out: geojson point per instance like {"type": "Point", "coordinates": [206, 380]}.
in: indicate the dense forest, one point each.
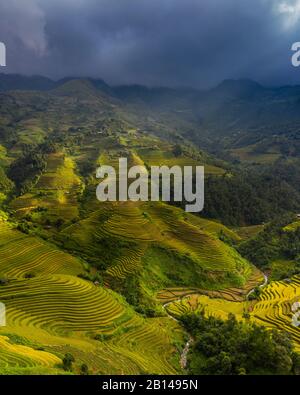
{"type": "Point", "coordinates": [237, 348]}
{"type": "Point", "coordinates": [278, 240]}
{"type": "Point", "coordinates": [251, 195]}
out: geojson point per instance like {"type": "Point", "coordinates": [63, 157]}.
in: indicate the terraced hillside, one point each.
{"type": "Point", "coordinates": [276, 307]}
{"type": "Point", "coordinates": [96, 279]}
{"type": "Point", "coordinates": [145, 232]}
{"type": "Point", "coordinates": [55, 193]}
{"type": "Point", "coordinates": [22, 256]}
{"type": "Point", "coordinates": [233, 294]}
{"type": "Point", "coordinates": [50, 311]}
{"type": "Point", "coordinates": [16, 357]}
{"type": "Point", "coordinates": [212, 306]}
{"type": "Point", "coordinates": [126, 239]}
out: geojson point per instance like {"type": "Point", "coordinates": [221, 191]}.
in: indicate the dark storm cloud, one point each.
{"type": "Point", "coordinates": [154, 42]}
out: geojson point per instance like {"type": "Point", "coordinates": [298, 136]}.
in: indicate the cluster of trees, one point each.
{"type": "Point", "coordinates": [249, 198]}
{"type": "Point", "coordinates": [135, 296]}
{"type": "Point", "coordinates": [238, 348]}
{"type": "Point", "coordinates": [25, 170]}
{"type": "Point", "coordinates": [6, 185]}
{"type": "Point", "coordinates": [252, 196]}
{"type": "Point", "coordinates": [69, 360]}
{"type": "Point", "coordinates": [8, 135]}
{"type": "Point", "coordinates": [287, 143]}
{"type": "Point", "coordinates": [273, 243]}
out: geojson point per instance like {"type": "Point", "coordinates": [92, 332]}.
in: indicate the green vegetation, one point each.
{"type": "Point", "coordinates": [90, 286]}
{"type": "Point", "coordinates": [270, 306]}
{"type": "Point", "coordinates": [148, 240]}
{"type": "Point", "coordinates": [250, 198]}
{"type": "Point", "coordinates": [26, 170]}
{"type": "Point", "coordinates": [276, 248]}
{"type": "Point", "coordinates": [237, 348]}
{"type": "Point", "coordinates": [68, 362]}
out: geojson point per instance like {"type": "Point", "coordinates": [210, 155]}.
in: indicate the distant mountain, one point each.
{"type": "Point", "coordinates": [19, 82]}
{"type": "Point", "coordinates": [239, 89]}
{"type": "Point", "coordinates": [92, 82]}
{"type": "Point", "coordinates": [234, 114]}
{"type": "Point", "coordinates": [39, 83]}
{"type": "Point", "coordinates": [76, 88]}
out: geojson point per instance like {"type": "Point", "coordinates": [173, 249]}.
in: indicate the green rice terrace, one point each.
{"type": "Point", "coordinates": [106, 284]}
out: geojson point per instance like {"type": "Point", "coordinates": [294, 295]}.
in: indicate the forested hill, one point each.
{"type": "Point", "coordinates": [247, 120]}
{"type": "Point", "coordinates": [101, 279]}
{"type": "Point", "coordinates": [264, 159]}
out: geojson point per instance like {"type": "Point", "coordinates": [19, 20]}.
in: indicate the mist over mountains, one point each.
{"type": "Point", "coordinates": [233, 114]}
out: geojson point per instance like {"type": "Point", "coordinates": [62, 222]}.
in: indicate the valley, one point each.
{"type": "Point", "coordinates": [103, 287]}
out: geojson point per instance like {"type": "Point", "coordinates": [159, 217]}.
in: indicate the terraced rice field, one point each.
{"type": "Point", "coordinates": [56, 190]}
{"type": "Point", "coordinates": [8, 233]}
{"type": "Point", "coordinates": [157, 157]}
{"type": "Point", "coordinates": [189, 239]}
{"type": "Point", "coordinates": [246, 232]}
{"type": "Point", "coordinates": [15, 355]}
{"type": "Point", "coordinates": [212, 227]}
{"type": "Point", "coordinates": [172, 294]}
{"type": "Point", "coordinates": [146, 223]}
{"type": "Point", "coordinates": [127, 264]}
{"type": "Point", "coordinates": [138, 344]}
{"type": "Point", "coordinates": [248, 154]}
{"type": "Point", "coordinates": [59, 173]}
{"type": "Point", "coordinates": [129, 221]}
{"type": "Point", "coordinates": [63, 313]}
{"type": "Point", "coordinates": [211, 306]}
{"type": "Point", "coordinates": [21, 254]}
{"type": "Point", "coordinates": [274, 307]}
{"type": "Point", "coordinates": [209, 252]}
{"type": "Point", "coordinates": [227, 294]}
{"type": "Point", "coordinates": [60, 304]}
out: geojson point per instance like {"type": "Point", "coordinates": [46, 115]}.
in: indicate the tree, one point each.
{"type": "Point", "coordinates": [177, 150]}
{"type": "Point", "coordinates": [84, 370]}
{"type": "Point", "coordinates": [234, 347]}
{"type": "Point", "coordinates": [68, 361]}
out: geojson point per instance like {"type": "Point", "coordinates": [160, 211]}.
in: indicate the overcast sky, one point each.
{"type": "Point", "coordinates": [154, 42]}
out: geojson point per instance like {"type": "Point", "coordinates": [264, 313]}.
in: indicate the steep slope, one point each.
{"type": "Point", "coordinates": [93, 279]}
{"type": "Point", "coordinates": [51, 314]}
{"type": "Point", "coordinates": [276, 307]}
{"type": "Point", "coordinates": [149, 240]}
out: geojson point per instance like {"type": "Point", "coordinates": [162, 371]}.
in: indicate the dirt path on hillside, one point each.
{"type": "Point", "coordinates": [186, 349]}
{"type": "Point", "coordinates": [260, 286]}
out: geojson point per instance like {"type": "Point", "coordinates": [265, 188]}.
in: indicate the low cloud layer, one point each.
{"type": "Point", "coordinates": [154, 42]}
